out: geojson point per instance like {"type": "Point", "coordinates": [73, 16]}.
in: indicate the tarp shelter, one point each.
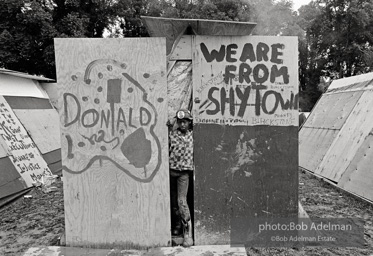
{"type": "Point", "coordinates": [337, 138]}
{"type": "Point", "coordinates": [29, 132]}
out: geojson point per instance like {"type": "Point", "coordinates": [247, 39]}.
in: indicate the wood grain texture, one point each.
{"type": "Point", "coordinates": [113, 111]}
{"type": "Point", "coordinates": [43, 126]}
{"type": "Point", "coordinates": [358, 177]}
{"type": "Point", "coordinates": [350, 138]}
{"type": "Point", "coordinates": [246, 157]}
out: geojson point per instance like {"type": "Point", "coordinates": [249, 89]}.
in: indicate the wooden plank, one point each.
{"type": "Point", "coordinates": [28, 102]}
{"type": "Point", "coordinates": [350, 138]}
{"type": "Point", "coordinates": [246, 127]}
{"type": "Point", "coordinates": [114, 141]}
{"type": "Point", "coordinates": [43, 126]}
{"type": "Point", "coordinates": [172, 28]}
{"type": "Point", "coordinates": [313, 145]}
{"type": "Point", "coordinates": [24, 154]}
{"type": "Point", "coordinates": [358, 178]}
{"type": "Point", "coordinates": [183, 49]}
{"type": "Point", "coordinates": [179, 87]}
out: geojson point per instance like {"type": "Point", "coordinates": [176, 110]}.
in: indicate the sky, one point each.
{"type": "Point", "coordinates": [299, 3]}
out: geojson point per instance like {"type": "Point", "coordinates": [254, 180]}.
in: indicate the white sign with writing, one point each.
{"type": "Point", "coordinates": [24, 154]}
{"type": "Point", "coordinates": [246, 80]}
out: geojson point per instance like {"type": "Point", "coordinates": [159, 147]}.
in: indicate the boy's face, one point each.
{"type": "Point", "coordinates": [183, 124]}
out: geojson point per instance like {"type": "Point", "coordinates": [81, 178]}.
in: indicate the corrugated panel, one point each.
{"type": "Point", "coordinates": [351, 137]}
{"type": "Point", "coordinates": [332, 110]}
{"type": "Point", "coordinates": [313, 145]}
{"type": "Point", "coordinates": [43, 125]}
{"type": "Point", "coordinates": [358, 177]}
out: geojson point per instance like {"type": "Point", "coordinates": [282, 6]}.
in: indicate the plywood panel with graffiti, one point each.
{"type": "Point", "coordinates": [113, 114]}
{"type": "Point", "coordinates": [245, 93]}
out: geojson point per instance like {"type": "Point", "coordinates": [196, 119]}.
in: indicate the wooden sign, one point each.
{"type": "Point", "coordinates": [113, 114]}
{"type": "Point", "coordinates": [24, 154]}
{"type": "Point", "coordinates": [246, 127]}
{"type": "Point", "coordinates": [244, 81]}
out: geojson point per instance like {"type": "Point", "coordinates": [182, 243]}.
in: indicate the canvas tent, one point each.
{"type": "Point", "coordinates": [29, 132]}
{"type": "Point", "coordinates": [337, 138]}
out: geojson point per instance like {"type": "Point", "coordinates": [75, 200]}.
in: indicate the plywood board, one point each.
{"type": "Point", "coordinates": [351, 137]}
{"type": "Point", "coordinates": [246, 127]}
{"type": "Point", "coordinates": [313, 145]}
{"type": "Point", "coordinates": [245, 80]}
{"type": "Point", "coordinates": [244, 171]}
{"type": "Point", "coordinates": [179, 87]}
{"type": "Point", "coordinates": [332, 110]}
{"type": "Point", "coordinates": [113, 114]}
{"type": "Point", "coordinates": [43, 126]}
{"type": "Point", "coordinates": [358, 177]}
{"type": "Point", "coordinates": [23, 152]}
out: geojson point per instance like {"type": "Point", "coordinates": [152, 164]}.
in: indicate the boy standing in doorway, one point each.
{"type": "Point", "coordinates": [181, 167]}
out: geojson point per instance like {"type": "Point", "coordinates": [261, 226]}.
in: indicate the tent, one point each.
{"type": "Point", "coordinates": [29, 132]}
{"type": "Point", "coordinates": [336, 141]}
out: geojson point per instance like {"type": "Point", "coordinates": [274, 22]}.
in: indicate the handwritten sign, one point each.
{"type": "Point", "coordinates": [24, 154]}
{"type": "Point", "coordinates": [246, 80]}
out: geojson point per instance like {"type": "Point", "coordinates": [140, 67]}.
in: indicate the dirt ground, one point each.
{"type": "Point", "coordinates": [39, 220]}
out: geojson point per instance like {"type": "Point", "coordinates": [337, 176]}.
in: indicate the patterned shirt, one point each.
{"type": "Point", "coordinates": [181, 150]}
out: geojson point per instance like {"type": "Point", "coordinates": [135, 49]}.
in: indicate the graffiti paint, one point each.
{"type": "Point", "coordinates": [246, 83]}
{"type": "Point", "coordinates": [24, 154]}
{"type": "Point", "coordinates": [116, 124]}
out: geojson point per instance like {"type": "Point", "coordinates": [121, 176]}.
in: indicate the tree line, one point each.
{"type": "Point", "coordinates": [335, 36]}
